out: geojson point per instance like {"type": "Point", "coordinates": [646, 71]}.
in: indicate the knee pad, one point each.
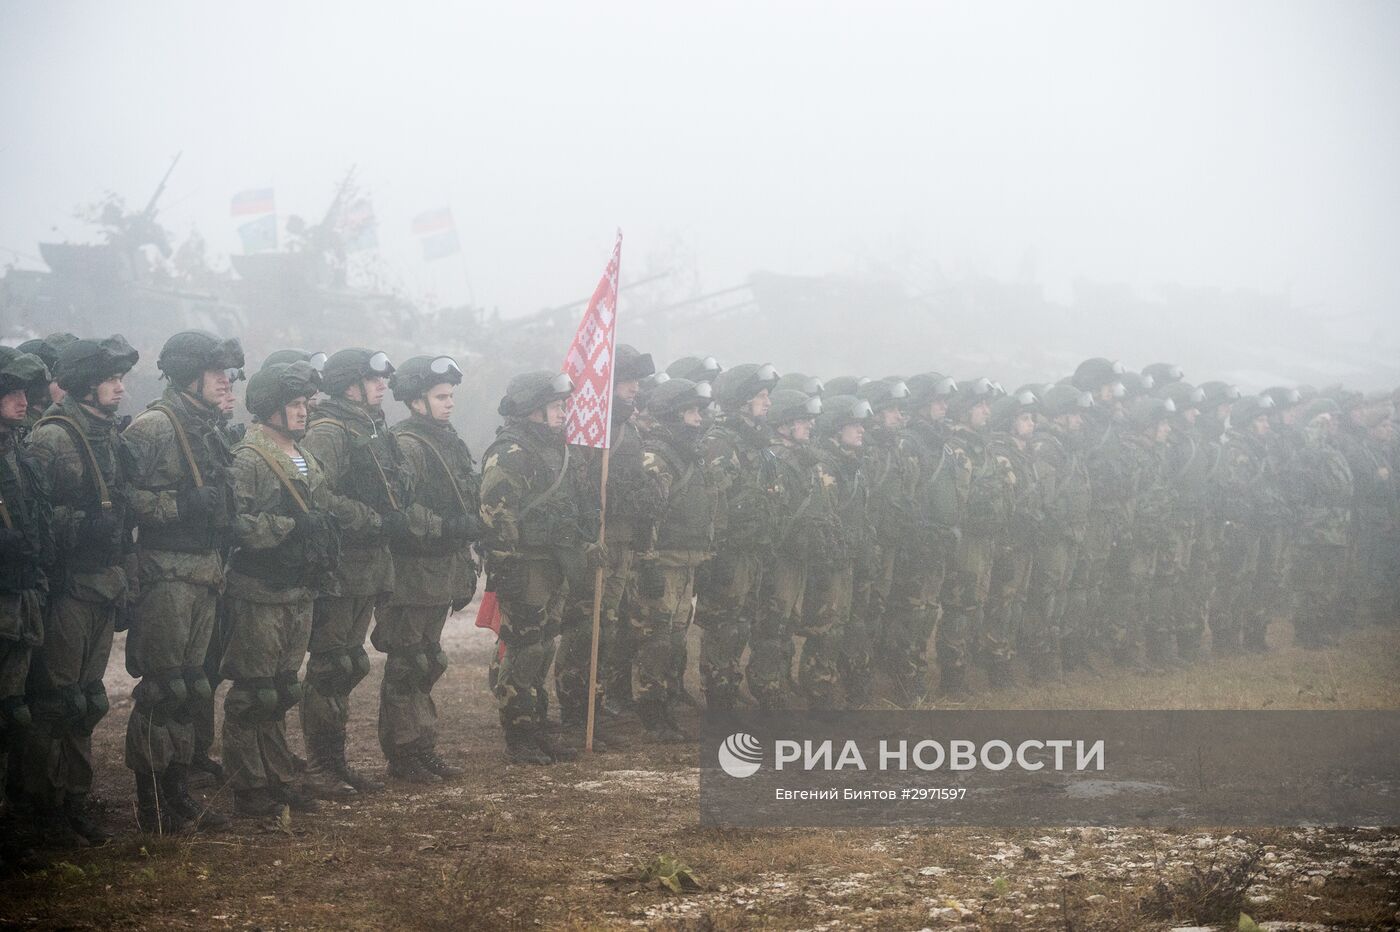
{"type": "Point", "coordinates": [262, 699]}
{"type": "Point", "coordinates": [197, 685]}
{"type": "Point", "coordinates": [437, 662]}
{"type": "Point", "coordinates": [288, 691]}
{"type": "Point", "coordinates": [72, 705]}
{"type": "Point", "coordinates": [98, 705]}
{"type": "Point", "coordinates": [406, 670]}
{"type": "Point", "coordinates": [14, 713]}
{"type": "Point", "coordinates": [329, 672]}
{"type": "Point", "coordinates": [359, 666]}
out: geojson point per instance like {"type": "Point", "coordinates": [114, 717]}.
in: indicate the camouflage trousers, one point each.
{"type": "Point", "coordinates": [1317, 580]}
{"type": "Point", "coordinates": [659, 622]}
{"type": "Point", "coordinates": [1235, 608]}
{"type": "Point", "coordinates": [873, 586]}
{"type": "Point", "coordinates": [1005, 608]}
{"type": "Point", "coordinates": [574, 655]}
{"type": "Point", "coordinates": [724, 612]}
{"type": "Point", "coordinates": [1047, 597]}
{"type": "Point", "coordinates": [213, 657]}
{"type": "Point", "coordinates": [1127, 590]}
{"type": "Point", "coordinates": [267, 642]}
{"type": "Point", "coordinates": [1201, 588]}
{"type": "Point", "coordinates": [411, 637]}
{"type": "Point", "coordinates": [771, 651]}
{"type": "Point", "coordinates": [1276, 551]}
{"type": "Point", "coordinates": [166, 647]}
{"type": "Point", "coordinates": [822, 626]}
{"type": "Point", "coordinates": [15, 718]}
{"type": "Point", "coordinates": [1373, 572]}
{"type": "Point", "coordinates": [911, 616]}
{"type": "Point", "coordinates": [337, 663]}
{"type": "Point", "coordinates": [1173, 622]}
{"type": "Point", "coordinates": [859, 638]}
{"type": "Point", "coordinates": [1082, 626]}
{"type": "Point", "coordinates": [964, 599]}
{"type": "Point", "coordinates": [532, 605]}
{"type": "Point", "coordinates": [68, 698]}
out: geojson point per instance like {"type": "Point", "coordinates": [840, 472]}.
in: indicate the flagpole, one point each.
{"type": "Point", "coordinates": [597, 606]}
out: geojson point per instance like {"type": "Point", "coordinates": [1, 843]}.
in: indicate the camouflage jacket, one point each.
{"type": "Point", "coordinates": [686, 519]}
{"type": "Point", "coordinates": [742, 470]}
{"type": "Point", "coordinates": [992, 490]}
{"type": "Point", "coordinates": [632, 501]}
{"type": "Point", "coordinates": [1110, 475]}
{"type": "Point", "coordinates": [364, 468]}
{"type": "Point", "coordinates": [1143, 460]}
{"type": "Point", "coordinates": [429, 570]}
{"type": "Point", "coordinates": [850, 496]}
{"type": "Point", "coordinates": [1189, 464]}
{"type": "Point", "coordinates": [886, 474]}
{"type": "Point", "coordinates": [1322, 490]}
{"type": "Point", "coordinates": [528, 507]}
{"type": "Point", "coordinates": [24, 507]}
{"type": "Point", "coordinates": [938, 483]}
{"type": "Point", "coordinates": [1027, 511]}
{"type": "Point", "coordinates": [93, 567]}
{"type": "Point", "coordinates": [172, 547]}
{"type": "Point", "coordinates": [808, 529]}
{"type": "Point", "coordinates": [1064, 491]}
{"type": "Point", "coordinates": [1249, 483]}
{"type": "Point", "coordinates": [1377, 494]}
{"type": "Point", "coordinates": [269, 563]}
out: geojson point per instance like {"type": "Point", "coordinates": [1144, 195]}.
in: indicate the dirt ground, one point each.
{"type": "Point", "coordinates": [568, 846]}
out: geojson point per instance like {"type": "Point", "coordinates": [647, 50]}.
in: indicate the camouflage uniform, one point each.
{"type": "Point", "coordinates": [1374, 569]}
{"type": "Point", "coordinates": [937, 478]}
{"type": "Point", "coordinates": [1321, 482]}
{"type": "Point", "coordinates": [364, 468]}
{"type": "Point", "coordinates": [741, 469]}
{"type": "Point", "coordinates": [530, 522]}
{"type": "Point", "coordinates": [282, 563]}
{"type": "Point", "coordinates": [1199, 596]}
{"type": "Point", "coordinates": [806, 507]}
{"type": "Point", "coordinates": [991, 485]}
{"type": "Point", "coordinates": [93, 543]}
{"type": "Point", "coordinates": [1011, 561]}
{"type": "Point", "coordinates": [433, 576]}
{"type": "Point", "coordinates": [665, 575]}
{"type": "Point", "coordinates": [837, 649]}
{"type": "Point", "coordinates": [1134, 560]}
{"type": "Point", "coordinates": [885, 474]}
{"type": "Point", "coordinates": [1085, 621]}
{"type": "Point", "coordinates": [1188, 462]}
{"type": "Point", "coordinates": [183, 539]}
{"type": "Point", "coordinates": [630, 503]}
{"type": "Point", "coordinates": [1254, 505]}
{"type": "Point", "coordinates": [1065, 500]}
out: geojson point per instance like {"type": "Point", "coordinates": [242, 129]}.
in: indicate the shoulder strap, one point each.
{"type": "Point", "coordinates": [446, 471]}
{"type": "Point", "coordinates": [184, 442]}
{"type": "Point", "coordinates": [76, 429]}
{"type": "Point", "coordinates": [383, 476]}
{"type": "Point", "coordinates": [538, 500]}
{"type": "Point", "coordinates": [279, 472]}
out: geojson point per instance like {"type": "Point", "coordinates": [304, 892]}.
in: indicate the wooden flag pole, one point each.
{"type": "Point", "coordinates": [597, 607]}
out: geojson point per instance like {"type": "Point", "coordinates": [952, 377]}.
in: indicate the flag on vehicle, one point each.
{"type": "Point", "coordinates": [589, 363]}
{"type": "Point", "coordinates": [252, 202]}
{"type": "Point", "coordinates": [437, 233]}
{"type": "Point", "coordinates": [259, 235]}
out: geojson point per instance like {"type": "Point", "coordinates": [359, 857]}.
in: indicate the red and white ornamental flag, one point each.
{"type": "Point", "coordinates": [589, 363]}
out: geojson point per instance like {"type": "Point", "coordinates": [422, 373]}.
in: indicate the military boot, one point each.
{"type": "Point", "coordinates": [75, 809]}
{"type": "Point", "coordinates": [285, 795]}
{"type": "Point", "coordinates": [201, 762]}
{"type": "Point", "coordinates": [336, 762]}
{"type": "Point", "coordinates": [175, 783]}
{"type": "Point", "coordinates": [322, 777]}
{"type": "Point", "coordinates": [437, 765]}
{"type": "Point", "coordinates": [522, 746]}
{"type": "Point", "coordinates": [154, 814]}
{"type": "Point", "coordinates": [406, 765]}
{"type": "Point", "coordinates": [255, 804]}
{"type": "Point", "coordinates": [657, 722]}
{"type": "Point", "coordinates": [53, 830]}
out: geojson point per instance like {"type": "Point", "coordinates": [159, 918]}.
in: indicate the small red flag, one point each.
{"type": "Point", "coordinates": [488, 615]}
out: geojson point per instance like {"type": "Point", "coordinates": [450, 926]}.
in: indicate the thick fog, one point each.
{"type": "Point", "coordinates": [1042, 181]}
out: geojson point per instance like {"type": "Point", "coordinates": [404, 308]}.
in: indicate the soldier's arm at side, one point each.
{"type": "Point", "coordinates": [331, 447]}
{"type": "Point", "coordinates": [423, 521]}
{"type": "Point", "coordinates": [148, 448]}
{"type": "Point", "coordinates": [503, 497]}
{"type": "Point", "coordinates": [258, 494]}
{"type": "Point", "coordinates": [60, 462]}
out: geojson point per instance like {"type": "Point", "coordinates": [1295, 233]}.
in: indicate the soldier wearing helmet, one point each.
{"type": "Point", "coordinates": [532, 536]}
{"type": "Point", "coordinates": [741, 470]}
{"type": "Point", "coordinates": [1323, 487]}
{"type": "Point", "coordinates": [288, 550]}
{"type": "Point", "coordinates": [1012, 428]}
{"type": "Point", "coordinates": [434, 575]}
{"type": "Point", "coordinates": [41, 396]}
{"type": "Point", "coordinates": [77, 447]}
{"type": "Point", "coordinates": [182, 498]}
{"type": "Point", "coordinates": [364, 467]}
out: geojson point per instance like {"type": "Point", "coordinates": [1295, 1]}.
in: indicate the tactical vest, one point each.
{"type": "Point", "coordinates": [989, 500]}
{"type": "Point", "coordinates": [937, 504]}
{"type": "Point", "coordinates": [1069, 499]}
{"type": "Point", "coordinates": [687, 518]}
{"type": "Point", "coordinates": [203, 451]}
{"type": "Point", "coordinates": [292, 563]}
{"type": "Point", "coordinates": [104, 477]}
{"type": "Point", "coordinates": [24, 509]}
{"type": "Point", "coordinates": [549, 517]}
{"type": "Point", "coordinates": [375, 475]}
{"type": "Point", "coordinates": [750, 518]}
{"type": "Point", "coordinates": [852, 495]}
{"type": "Point", "coordinates": [448, 488]}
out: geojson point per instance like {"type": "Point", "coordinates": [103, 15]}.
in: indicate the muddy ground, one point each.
{"type": "Point", "coordinates": [568, 846]}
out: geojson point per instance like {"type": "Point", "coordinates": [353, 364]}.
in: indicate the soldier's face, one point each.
{"type": "Point", "coordinates": [937, 409]}
{"type": "Point", "coordinates": [110, 393]}
{"type": "Point", "coordinates": [1261, 425]}
{"type": "Point", "coordinates": [1071, 422]}
{"type": "Point", "coordinates": [1190, 415]}
{"type": "Point", "coordinates": [294, 416]}
{"type": "Point", "coordinates": [56, 394]}
{"type": "Point", "coordinates": [14, 405]}
{"type": "Point", "coordinates": [374, 391]}
{"type": "Point", "coordinates": [554, 414]}
{"type": "Point", "coordinates": [801, 431]}
{"type": "Point", "coordinates": [226, 406]}
{"type": "Point", "coordinates": [891, 418]}
{"type": "Point", "coordinates": [978, 414]}
{"type": "Point", "coordinates": [852, 436]}
{"type": "Point", "coordinates": [215, 389]}
{"type": "Point", "coordinates": [1025, 424]}
{"type": "Point", "coordinates": [1163, 429]}
{"type": "Point", "coordinates": [692, 417]}
{"type": "Point", "coordinates": [627, 389]}
{"type": "Point", "coordinates": [440, 402]}
{"type": "Point", "coordinates": [759, 404]}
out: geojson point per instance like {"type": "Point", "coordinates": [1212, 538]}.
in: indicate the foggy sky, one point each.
{"type": "Point", "coordinates": [1236, 144]}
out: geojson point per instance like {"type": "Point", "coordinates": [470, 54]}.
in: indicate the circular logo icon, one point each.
{"type": "Point", "coordinates": [740, 755]}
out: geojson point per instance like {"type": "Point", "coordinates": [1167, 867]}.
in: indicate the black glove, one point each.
{"type": "Point", "coordinates": [199, 504]}
{"type": "Point", "coordinates": [395, 527]}
{"type": "Point", "coordinates": [651, 581]}
{"type": "Point", "coordinates": [13, 543]}
{"type": "Point", "coordinates": [306, 525]}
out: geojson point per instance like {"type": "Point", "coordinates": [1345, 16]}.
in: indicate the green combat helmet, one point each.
{"type": "Point", "coordinates": [1136, 385]}
{"type": "Point", "coordinates": [1144, 412]}
{"type": "Point", "coordinates": [317, 360]}
{"type": "Point", "coordinates": [970, 394]}
{"type": "Point", "coordinates": [846, 385]}
{"type": "Point", "coordinates": [736, 387]}
{"type": "Point", "coordinates": [840, 410]}
{"type": "Point", "coordinates": [1182, 394]}
{"type": "Point", "coordinates": [1249, 409]}
{"type": "Point", "coordinates": [791, 405]}
{"type": "Point", "coordinates": [83, 364]}
{"type": "Point", "coordinates": [350, 366]}
{"type": "Point", "coordinates": [669, 400]}
{"type": "Point", "coordinates": [884, 393]}
{"type": "Point", "coordinates": [1163, 373]}
{"type": "Point", "coordinates": [20, 371]}
{"type": "Point", "coordinates": [416, 376]}
{"type": "Point", "coordinates": [531, 391]}
{"type": "Point", "coordinates": [1007, 408]}
{"type": "Point", "coordinates": [1215, 394]}
{"type": "Point", "coordinates": [190, 353]}
{"type": "Point", "coordinates": [629, 364]}
{"type": "Point", "coordinates": [929, 386]}
{"type": "Point", "coordinates": [275, 386]}
{"type": "Point", "coordinates": [1065, 399]}
{"type": "Point", "coordinates": [695, 368]}
{"type": "Point", "coordinates": [806, 384]}
{"type": "Point", "coordinates": [1093, 374]}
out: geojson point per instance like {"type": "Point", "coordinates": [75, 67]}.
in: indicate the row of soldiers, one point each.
{"type": "Point", "coordinates": [843, 531]}
{"type": "Point", "coordinates": [838, 535]}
